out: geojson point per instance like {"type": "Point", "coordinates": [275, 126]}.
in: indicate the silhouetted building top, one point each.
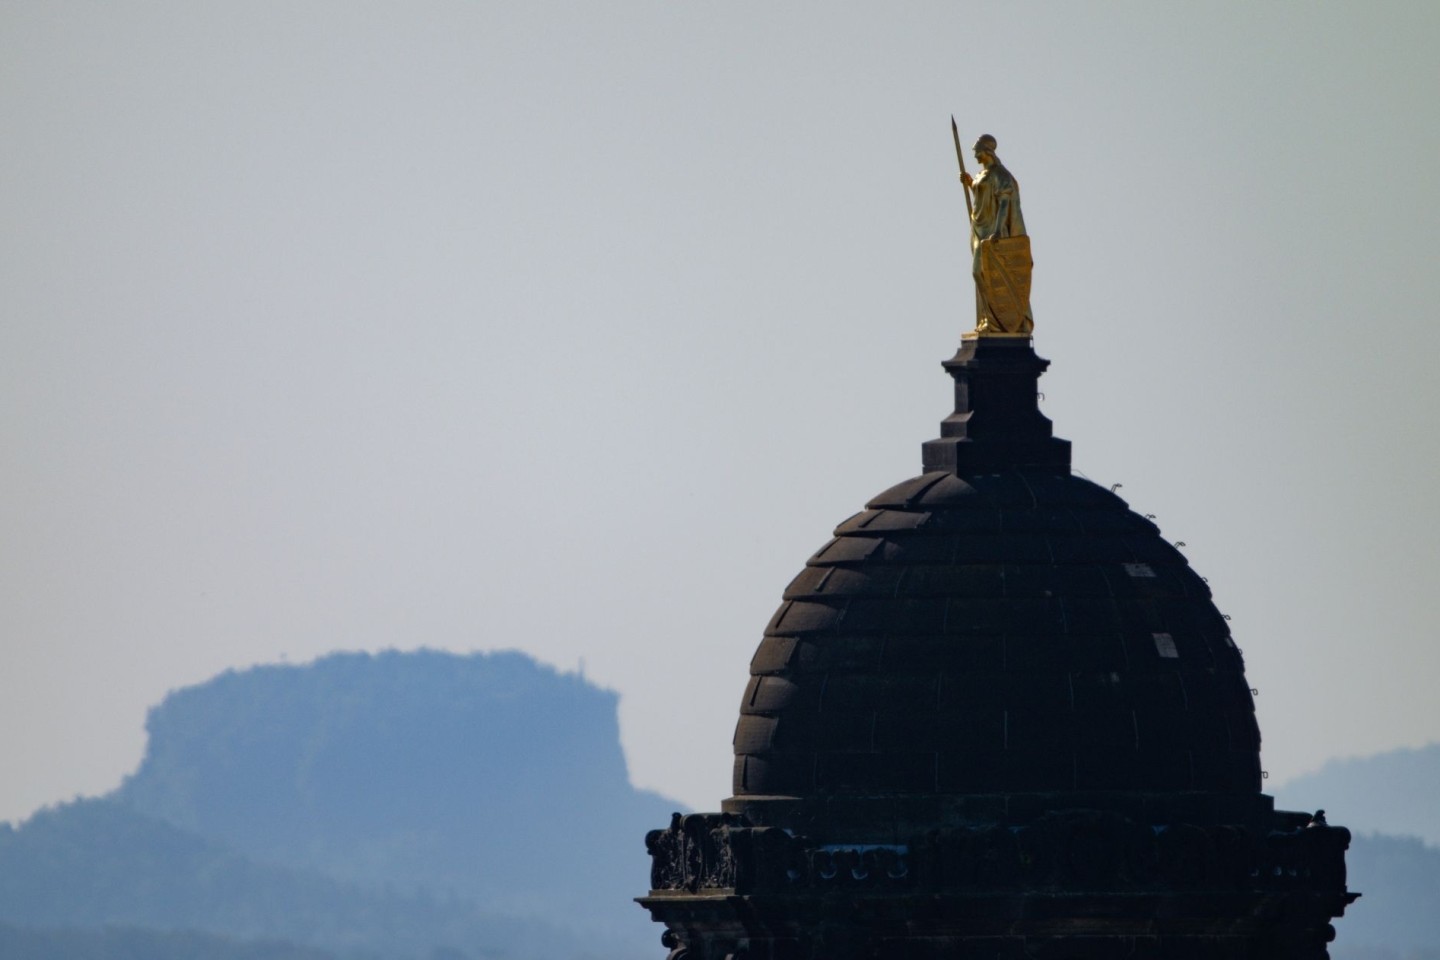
{"type": "Point", "coordinates": [1012, 630]}
{"type": "Point", "coordinates": [997, 715]}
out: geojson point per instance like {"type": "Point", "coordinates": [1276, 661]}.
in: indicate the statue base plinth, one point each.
{"type": "Point", "coordinates": [993, 335]}
{"type": "Point", "coordinates": [997, 424]}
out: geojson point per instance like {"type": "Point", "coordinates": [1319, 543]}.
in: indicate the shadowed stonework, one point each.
{"type": "Point", "coordinates": [997, 716]}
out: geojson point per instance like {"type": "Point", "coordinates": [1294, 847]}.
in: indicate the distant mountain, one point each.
{"type": "Point", "coordinates": [1388, 801]}
{"type": "Point", "coordinates": [1393, 793]}
{"type": "Point", "coordinates": [1398, 914]}
{"type": "Point", "coordinates": [95, 863]}
{"type": "Point", "coordinates": [394, 803]}
{"type": "Point", "coordinates": [125, 943]}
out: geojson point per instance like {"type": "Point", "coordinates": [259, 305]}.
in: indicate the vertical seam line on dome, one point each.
{"type": "Point", "coordinates": [1034, 502]}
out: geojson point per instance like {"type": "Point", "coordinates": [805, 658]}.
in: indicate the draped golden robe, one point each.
{"type": "Point", "coordinates": [1001, 251]}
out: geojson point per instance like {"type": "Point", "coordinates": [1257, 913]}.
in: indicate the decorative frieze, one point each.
{"type": "Point", "coordinates": [1086, 850]}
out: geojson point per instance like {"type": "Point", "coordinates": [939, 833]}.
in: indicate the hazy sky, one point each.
{"type": "Point", "coordinates": [575, 327]}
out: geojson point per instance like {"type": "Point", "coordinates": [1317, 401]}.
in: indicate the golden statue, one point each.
{"type": "Point", "coordinates": [1000, 248]}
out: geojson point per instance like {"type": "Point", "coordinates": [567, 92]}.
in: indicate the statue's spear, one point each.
{"type": "Point", "coordinates": [960, 155]}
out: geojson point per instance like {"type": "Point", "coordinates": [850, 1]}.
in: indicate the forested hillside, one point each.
{"type": "Point", "coordinates": [127, 943]}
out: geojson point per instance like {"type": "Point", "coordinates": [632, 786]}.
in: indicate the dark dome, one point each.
{"type": "Point", "coordinates": [997, 717]}
{"type": "Point", "coordinates": [996, 633]}
{"type": "Point", "coordinates": [1019, 630]}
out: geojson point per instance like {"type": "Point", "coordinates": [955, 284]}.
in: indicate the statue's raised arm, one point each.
{"type": "Point", "coordinates": [999, 246]}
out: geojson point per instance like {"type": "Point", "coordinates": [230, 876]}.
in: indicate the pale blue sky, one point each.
{"type": "Point", "coordinates": [576, 327]}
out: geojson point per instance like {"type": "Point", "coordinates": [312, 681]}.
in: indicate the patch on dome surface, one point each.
{"type": "Point", "coordinates": [1139, 570]}
{"type": "Point", "coordinates": [1165, 646]}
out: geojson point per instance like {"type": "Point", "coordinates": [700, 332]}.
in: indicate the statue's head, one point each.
{"type": "Point", "coordinates": [985, 149]}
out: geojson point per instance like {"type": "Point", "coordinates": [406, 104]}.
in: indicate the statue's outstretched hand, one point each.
{"type": "Point", "coordinates": [966, 179]}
